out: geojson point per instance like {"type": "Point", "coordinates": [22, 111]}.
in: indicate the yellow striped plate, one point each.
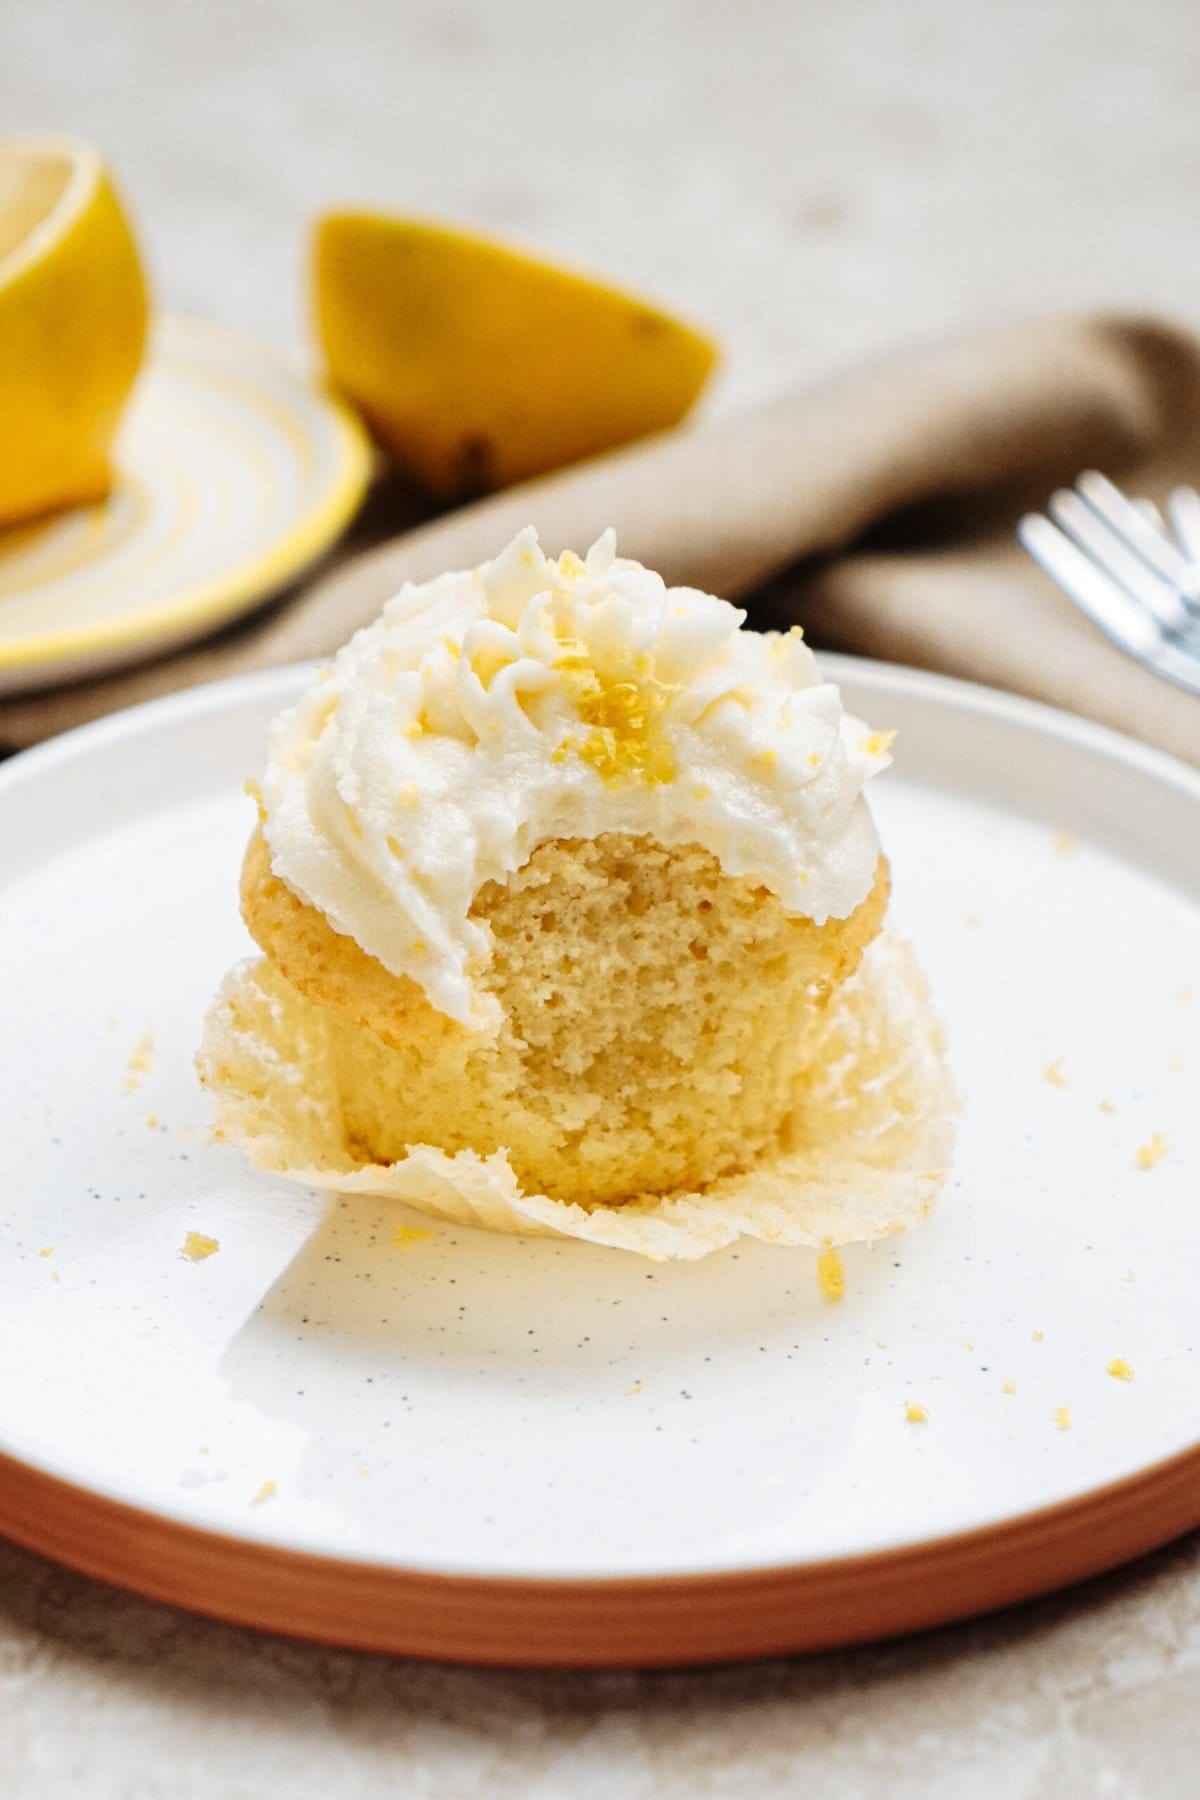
{"type": "Point", "coordinates": [235, 473]}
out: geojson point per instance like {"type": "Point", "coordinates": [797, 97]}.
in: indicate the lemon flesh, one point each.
{"type": "Point", "coordinates": [72, 325]}
{"type": "Point", "coordinates": [476, 366]}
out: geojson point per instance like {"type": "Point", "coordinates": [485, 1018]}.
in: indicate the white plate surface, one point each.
{"type": "Point", "coordinates": [469, 1403]}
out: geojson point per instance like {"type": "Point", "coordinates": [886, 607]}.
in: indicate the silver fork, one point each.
{"type": "Point", "coordinates": [1135, 576]}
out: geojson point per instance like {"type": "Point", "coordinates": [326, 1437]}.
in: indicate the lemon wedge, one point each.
{"type": "Point", "coordinates": [477, 366]}
{"type": "Point", "coordinates": [72, 324]}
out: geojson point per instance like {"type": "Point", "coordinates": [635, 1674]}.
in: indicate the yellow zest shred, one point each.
{"type": "Point", "coordinates": [831, 1275]}
{"type": "Point", "coordinates": [251, 787]}
{"type": "Point", "coordinates": [405, 1236]}
{"type": "Point", "coordinates": [196, 1246]}
{"type": "Point", "coordinates": [1119, 1369]}
{"type": "Point", "coordinates": [626, 742]}
{"type": "Point", "coordinates": [1153, 1151]}
{"type": "Point", "coordinates": [915, 1414]}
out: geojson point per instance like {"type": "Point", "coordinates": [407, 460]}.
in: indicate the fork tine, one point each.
{"type": "Point", "coordinates": [1109, 606]}
{"type": "Point", "coordinates": [1183, 508]}
{"type": "Point", "coordinates": [1129, 522]}
{"type": "Point", "coordinates": [1118, 560]}
{"type": "Point", "coordinates": [1118, 615]}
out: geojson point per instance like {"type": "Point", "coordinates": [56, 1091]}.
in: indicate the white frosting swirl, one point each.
{"type": "Point", "coordinates": [489, 711]}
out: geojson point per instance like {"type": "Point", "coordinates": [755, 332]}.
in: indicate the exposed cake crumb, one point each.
{"type": "Point", "coordinates": [196, 1246]}
{"type": "Point", "coordinates": [405, 1236]}
{"type": "Point", "coordinates": [1053, 1073]}
{"type": "Point", "coordinates": [915, 1414]}
{"type": "Point", "coordinates": [1062, 1418]}
{"type": "Point", "coordinates": [831, 1274]}
{"type": "Point", "coordinates": [266, 1492]}
{"type": "Point", "coordinates": [1152, 1151]}
{"type": "Point", "coordinates": [1120, 1370]}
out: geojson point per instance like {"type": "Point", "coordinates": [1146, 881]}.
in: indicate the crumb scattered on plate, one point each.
{"type": "Point", "coordinates": [1062, 1418]}
{"type": "Point", "coordinates": [1009, 1387]}
{"type": "Point", "coordinates": [1053, 1073]}
{"type": "Point", "coordinates": [1120, 1370]}
{"type": "Point", "coordinates": [196, 1246]}
{"type": "Point", "coordinates": [1106, 1106]}
{"type": "Point", "coordinates": [140, 1062]}
{"type": "Point", "coordinates": [1039, 1337]}
{"type": "Point", "coordinates": [1152, 1151]}
{"type": "Point", "coordinates": [636, 1389]}
{"type": "Point", "coordinates": [915, 1413]}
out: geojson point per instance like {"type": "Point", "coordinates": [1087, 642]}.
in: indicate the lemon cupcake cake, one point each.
{"type": "Point", "coordinates": [570, 906]}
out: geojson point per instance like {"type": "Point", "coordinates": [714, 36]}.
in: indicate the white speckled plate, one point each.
{"type": "Point", "coordinates": [235, 471]}
{"type": "Point", "coordinates": [483, 1447]}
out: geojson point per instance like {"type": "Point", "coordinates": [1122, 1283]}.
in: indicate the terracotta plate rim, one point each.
{"type": "Point", "coordinates": [600, 1622]}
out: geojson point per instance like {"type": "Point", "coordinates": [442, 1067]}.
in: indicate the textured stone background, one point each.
{"type": "Point", "coordinates": [817, 181]}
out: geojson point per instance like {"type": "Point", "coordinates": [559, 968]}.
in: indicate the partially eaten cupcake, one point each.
{"type": "Point", "coordinates": [570, 906]}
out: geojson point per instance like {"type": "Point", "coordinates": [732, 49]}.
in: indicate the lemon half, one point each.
{"type": "Point", "coordinates": [72, 324]}
{"type": "Point", "coordinates": [478, 366]}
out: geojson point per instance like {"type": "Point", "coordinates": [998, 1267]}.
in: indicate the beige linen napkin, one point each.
{"type": "Point", "coordinates": [876, 509]}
